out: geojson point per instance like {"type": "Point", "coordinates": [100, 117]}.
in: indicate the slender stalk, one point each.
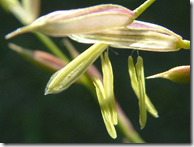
{"type": "Point", "coordinates": [186, 44]}
{"type": "Point", "coordinates": [126, 127]}
{"type": "Point", "coordinates": [51, 46]}
{"type": "Point", "coordinates": [142, 8]}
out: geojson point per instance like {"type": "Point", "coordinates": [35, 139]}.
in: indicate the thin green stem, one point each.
{"type": "Point", "coordinates": [51, 46]}
{"type": "Point", "coordinates": [85, 79]}
{"type": "Point", "coordinates": [142, 8]}
{"type": "Point", "coordinates": [126, 127]}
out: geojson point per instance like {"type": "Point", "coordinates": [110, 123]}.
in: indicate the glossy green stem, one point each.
{"type": "Point", "coordinates": [51, 46]}
{"type": "Point", "coordinates": [186, 44]}
{"type": "Point", "coordinates": [142, 8]}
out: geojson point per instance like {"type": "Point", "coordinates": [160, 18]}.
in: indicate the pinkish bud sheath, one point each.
{"type": "Point", "coordinates": [42, 59]}
{"type": "Point", "coordinates": [76, 21]}
{"type": "Point", "coordinates": [49, 60]}
{"type": "Point", "coordinates": [180, 74]}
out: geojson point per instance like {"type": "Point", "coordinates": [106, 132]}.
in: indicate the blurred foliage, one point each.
{"type": "Point", "coordinates": [27, 116]}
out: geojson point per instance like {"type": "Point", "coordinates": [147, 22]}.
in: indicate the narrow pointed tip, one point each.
{"type": "Point", "coordinates": [114, 137]}
{"type": "Point", "coordinates": [160, 75]}
{"type": "Point", "coordinates": [142, 127]}
{"type": "Point", "coordinates": [18, 31]}
{"type": "Point", "coordinates": [9, 36]}
{"type": "Point", "coordinates": [12, 34]}
{"type": "Point", "coordinates": [115, 124]}
{"type": "Point", "coordinates": [15, 47]}
{"type": "Point", "coordinates": [150, 77]}
{"type": "Point", "coordinates": [157, 115]}
{"type": "Point", "coordinates": [47, 92]}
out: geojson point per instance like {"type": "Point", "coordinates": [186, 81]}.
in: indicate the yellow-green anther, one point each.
{"type": "Point", "coordinates": [135, 85]}
{"type": "Point", "coordinates": [150, 107]}
{"type": "Point", "coordinates": [140, 61]}
{"type": "Point", "coordinates": [179, 74]}
{"type": "Point", "coordinates": [138, 35]}
{"type": "Point", "coordinates": [105, 109]}
{"type": "Point", "coordinates": [108, 86]}
{"type": "Point", "coordinates": [63, 78]}
{"type": "Point", "coordinates": [142, 104]}
{"type": "Point", "coordinates": [79, 21]}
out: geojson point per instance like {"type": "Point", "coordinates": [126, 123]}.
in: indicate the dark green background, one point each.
{"type": "Point", "coordinates": [27, 116]}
